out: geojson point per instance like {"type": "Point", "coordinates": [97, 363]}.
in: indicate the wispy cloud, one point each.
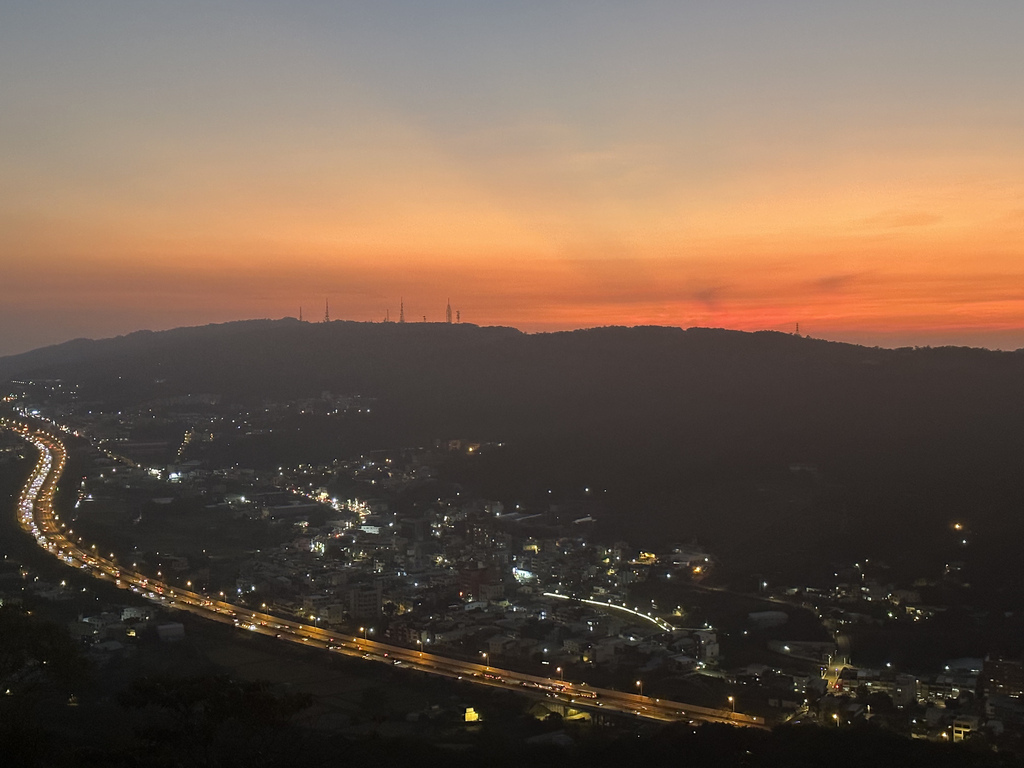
{"type": "Point", "coordinates": [898, 218]}
{"type": "Point", "coordinates": [838, 283]}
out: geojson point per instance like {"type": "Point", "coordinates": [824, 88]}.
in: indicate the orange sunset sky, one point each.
{"type": "Point", "coordinates": [857, 168]}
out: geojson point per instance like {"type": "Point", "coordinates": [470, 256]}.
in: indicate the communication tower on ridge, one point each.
{"type": "Point", "coordinates": [327, 311]}
{"type": "Point", "coordinates": [401, 311]}
{"type": "Point", "coordinates": [448, 313]}
{"type": "Point", "coordinates": [300, 314]}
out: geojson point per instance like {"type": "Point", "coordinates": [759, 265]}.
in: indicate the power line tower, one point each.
{"type": "Point", "coordinates": [401, 311]}
{"type": "Point", "coordinates": [448, 313]}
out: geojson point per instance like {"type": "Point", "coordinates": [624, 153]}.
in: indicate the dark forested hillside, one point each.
{"type": "Point", "coordinates": [760, 444]}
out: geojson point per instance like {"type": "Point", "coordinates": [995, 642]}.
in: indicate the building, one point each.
{"type": "Point", "coordinates": [963, 726]}
{"type": "Point", "coordinates": [1002, 678]}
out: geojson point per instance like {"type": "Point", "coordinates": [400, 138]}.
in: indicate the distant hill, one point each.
{"type": "Point", "coordinates": [766, 446]}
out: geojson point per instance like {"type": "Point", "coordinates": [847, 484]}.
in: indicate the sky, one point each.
{"type": "Point", "coordinates": [857, 168]}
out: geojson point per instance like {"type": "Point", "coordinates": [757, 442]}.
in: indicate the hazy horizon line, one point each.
{"type": "Point", "coordinates": [834, 338]}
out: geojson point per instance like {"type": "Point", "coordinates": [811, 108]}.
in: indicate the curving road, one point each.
{"type": "Point", "coordinates": [37, 516]}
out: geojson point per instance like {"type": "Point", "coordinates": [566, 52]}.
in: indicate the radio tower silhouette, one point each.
{"type": "Point", "coordinates": [448, 313]}
{"type": "Point", "coordinates": [300, 314]}
{"type": "Point", "coordinates": [401, 311]}
{"type": "Point", "coordinates": [327, 311]}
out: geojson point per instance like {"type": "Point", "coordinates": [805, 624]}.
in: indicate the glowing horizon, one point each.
{"type": "Point", "coordinates": [551, 166]}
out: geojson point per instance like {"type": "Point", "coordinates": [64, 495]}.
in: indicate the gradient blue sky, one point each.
{"type": "Point", "coordinates": [854, 167]}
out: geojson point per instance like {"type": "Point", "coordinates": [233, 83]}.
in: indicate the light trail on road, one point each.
{"type": "Point", "coordinates": [37, 517]}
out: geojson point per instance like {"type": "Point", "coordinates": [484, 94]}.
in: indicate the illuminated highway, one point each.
{"type": "Point", "coordinates": [37, 516]}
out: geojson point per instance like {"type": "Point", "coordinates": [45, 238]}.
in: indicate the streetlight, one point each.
{"type": "Point", "coordinates": [640, 685]}
{"type": "Point", "coordinates": [836, 718]}
{"type": "Point", "coordinates": [732, 703]}
{"type": "Point", "coordinates": [363, 630]}
{"type": "Point", "coordinates": [484, 654]}
{"type": "Point", "coordinates": [561, 675]}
